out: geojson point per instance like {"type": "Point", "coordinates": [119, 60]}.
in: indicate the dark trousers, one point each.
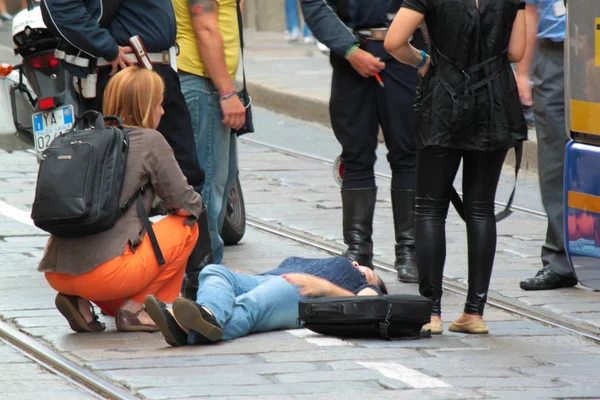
{"type": "Point", "coordinates": [359, 106]}
{"type": "Point", "coordinates": [549, 110]}
{"type": "Point", "coordinates": [175, 125]}
{"type": "Point", "coordinates": [436, 169]}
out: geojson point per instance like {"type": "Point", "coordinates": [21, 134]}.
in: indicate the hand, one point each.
{"type": "Point", "coordinates": [182, 213]}
{"type": "Point", "coordinates": [524, 85]}
{"type": "Point", "coordinates": [122, 61]}
{"type": "Point", "coordinates": [365, 63]}
{"type": "Point", "coordinates": [234, 113]}
{"type": "Point", "coordinates": [308, 285]}
{"type": "Point", "coordinates": [425, 68]}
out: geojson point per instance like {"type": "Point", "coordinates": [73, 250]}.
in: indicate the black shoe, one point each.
{"type": "Point", "coordinates": [170, 329]}
{"type": "Point", "coordinates": [195, 318]}
{"type": "Point", "coordinates": [547, 280]}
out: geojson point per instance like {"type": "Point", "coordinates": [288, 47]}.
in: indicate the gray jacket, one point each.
{"type": "Point", "coordinates": [333, 21]}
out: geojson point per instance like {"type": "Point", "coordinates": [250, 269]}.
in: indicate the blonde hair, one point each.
{"type": "Point", "coordinates": [132, 94]}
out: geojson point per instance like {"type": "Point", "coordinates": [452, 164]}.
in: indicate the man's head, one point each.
{"type": "Point", "coordinates": [371, 277]}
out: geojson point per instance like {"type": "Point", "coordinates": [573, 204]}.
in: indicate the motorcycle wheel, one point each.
{"type": "Point", "coordinates": [234, 224]}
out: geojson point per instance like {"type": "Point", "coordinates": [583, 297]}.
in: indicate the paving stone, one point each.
{"type": "Point", "coordinates": [569, 359]}
{"type": "Point", "coordinates": [339, 388]}
{"type": "Point", "coordinates": [330, 354]}
{"type": "Point", "coordinates": [482, 382]}
{"type": "Point", "coordinates": [590, 392]}
{"type": "Point", "coordinates": [166, 362]}
{"type": "Point", "coordinates": [560, 344]}
{"type": "Point", "coordinates": [46, 394]}
{"type": "Point", "coordinates": [227, 380]}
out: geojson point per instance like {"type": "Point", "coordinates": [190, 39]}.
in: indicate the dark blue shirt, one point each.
{"type": "Point", "coordinates": [336, 270]}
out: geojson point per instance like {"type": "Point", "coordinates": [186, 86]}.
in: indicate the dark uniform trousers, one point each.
{"type": "Point", "coordinates": [359, 106]}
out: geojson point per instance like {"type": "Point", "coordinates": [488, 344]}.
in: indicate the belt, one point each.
{"type": "Point", "coordinates": [551, 44]}
{"type": "Point", "coordinates": [372, 33]}
{"type": "Point", "coordinates": [162, 58]}
{"type": "Point", "coordinates": [166, 57]}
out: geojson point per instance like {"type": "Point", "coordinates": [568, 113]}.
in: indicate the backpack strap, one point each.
{"type": "Point", "coordinates": [137, 196]}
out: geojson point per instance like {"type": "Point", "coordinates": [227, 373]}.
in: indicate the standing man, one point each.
{"type": "Point", "coordinates": [95, 45]}
{"type": "Point", "coordinates": [208, 36]}
{"type": "Point", "coordinates": [370, 89]}
{"type": "Point", "coordinates": [546, 26]}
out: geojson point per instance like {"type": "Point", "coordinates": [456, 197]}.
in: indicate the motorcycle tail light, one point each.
{"type": "Point", "coordinates": [43, 61]}
{"type": "Point", "coordinates": [5, 69]}
{"type": "Point", "coordinates": [46, 104]}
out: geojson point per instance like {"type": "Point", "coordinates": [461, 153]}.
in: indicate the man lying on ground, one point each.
{"type": "Point", "coordinates": [230, 305]}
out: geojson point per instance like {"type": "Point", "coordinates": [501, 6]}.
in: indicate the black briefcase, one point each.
{"type": "Point", "coordinates": [387, 317]}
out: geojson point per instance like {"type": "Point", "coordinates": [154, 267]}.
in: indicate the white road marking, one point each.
{"type": "Point", "coordinates": [409, 376]}
{"type": "Point", "coordinates": [13, 212]}
{"type": "Point", "coordinates": [317, 339]}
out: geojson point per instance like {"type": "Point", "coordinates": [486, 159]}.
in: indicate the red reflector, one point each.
{"type": "Point", "coordinates": [46, 104]}
{"type": "Point", "coordinates": [5, 69]}
{"type": "Point", "coordinates": [43, 61]}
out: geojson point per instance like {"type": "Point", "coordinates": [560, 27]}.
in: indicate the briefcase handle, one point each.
{"type": "Point", "coordinates": [338, 308]}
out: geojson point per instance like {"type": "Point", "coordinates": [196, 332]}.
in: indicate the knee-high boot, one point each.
{"type": "Point", "coordinates": [201, 256]}
{"type": "Point", "coordinates": [403, 207]}
{"type": "Point", "coordinates": [358, 210]}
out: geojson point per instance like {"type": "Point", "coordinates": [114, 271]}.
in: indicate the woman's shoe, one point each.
{"type": "Point", "coordinates": [127, 321]}
{"type": "Point", "coordinates": [69, 308]}
{"type": "Point", "coordinates": [170, 329]}
{"type": "Point", "coordinates": [436, 327]}
{"type": "Point", "coordinates": [477, 327]}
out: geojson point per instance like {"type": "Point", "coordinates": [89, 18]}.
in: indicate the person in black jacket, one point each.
{"type": "Point", "coordinates": [469, 111]}
{"type": "Point", "coordinates": [370, 90]}
{"type": "Point", "coordinates": [94, 44]}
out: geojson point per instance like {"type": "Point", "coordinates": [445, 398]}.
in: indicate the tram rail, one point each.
{"type": "Point", "coordinates": [79, 376]}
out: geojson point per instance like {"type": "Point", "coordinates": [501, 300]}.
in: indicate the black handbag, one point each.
{"type": "Point", "coordinates": [244, 96]}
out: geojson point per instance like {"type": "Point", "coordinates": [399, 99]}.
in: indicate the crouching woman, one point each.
{"type": "Point", "coordinates": [117, 269]}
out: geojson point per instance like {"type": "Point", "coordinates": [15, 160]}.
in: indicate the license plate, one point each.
{"type": "Point", "coordinates": [49, 124]}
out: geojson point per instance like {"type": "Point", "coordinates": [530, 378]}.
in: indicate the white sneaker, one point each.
{"type": "Point", "coordinates": [292, 36]}
{"type": "Point", "coordinates": [309, 40]}
{"type": "Point", "coordinates": [322, 48]}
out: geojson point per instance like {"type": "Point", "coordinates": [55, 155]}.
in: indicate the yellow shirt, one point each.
{"type": "Point", "coordinates": [190, 59]}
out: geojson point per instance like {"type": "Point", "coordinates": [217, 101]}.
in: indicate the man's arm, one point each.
{"type": "Point", "coordinates": [210, 45]}
{"type": "Point", "coordinates": [524, 67]}
{"type": "Point", "coordinates": [310, 285]}
{"type": "Point", "coordinates": [76, 26]}
{"type": "Point", "coordinates": [331, 31]}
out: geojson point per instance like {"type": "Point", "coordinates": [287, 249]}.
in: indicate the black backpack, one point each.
{"type": "Point", "coordinates": [80, 179]}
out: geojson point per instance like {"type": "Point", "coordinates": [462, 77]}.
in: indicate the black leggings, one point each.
{"type": "Point", "coordinates": [436, 169]}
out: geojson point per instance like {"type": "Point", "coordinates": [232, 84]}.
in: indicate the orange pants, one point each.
{"type": "Point", "coordinates": [134, 275]}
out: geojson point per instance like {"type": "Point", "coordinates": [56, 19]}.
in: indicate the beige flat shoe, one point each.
{"type": "Point", "coordinates": [436, 327]}
{"type": "Point", "coordinates": [476, 327]}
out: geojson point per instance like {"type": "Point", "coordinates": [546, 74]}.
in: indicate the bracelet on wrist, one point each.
{"type": "Point", "coordinates": [423, 59]}
{"type": "Point", "coordinates": [228, 95]}
{"type": "Point", "coordinates": [351, 50]}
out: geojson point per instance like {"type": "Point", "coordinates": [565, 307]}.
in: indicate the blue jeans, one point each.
{"type": "Point", "coordinates": [292, 18]}
{"type": "Point", "coordinates": [216, 148]}
{"type": "Point", "coordinates": [244, 304]}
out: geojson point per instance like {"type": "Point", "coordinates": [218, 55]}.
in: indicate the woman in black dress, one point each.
{"type": "Point", "coordinates": [469, 110]}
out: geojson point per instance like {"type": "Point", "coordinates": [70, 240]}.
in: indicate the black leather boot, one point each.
{"type": "Point", "coordinates": [403, 207]}
{"type": "Point", "coordinates": [358, 210]}
{"type": "Point", "coordinates": [201, 256]}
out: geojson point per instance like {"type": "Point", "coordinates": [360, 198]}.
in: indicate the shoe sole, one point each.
{"type": "Point", "coordinates": [460, 329]}
{"type": "Point", "coordinates": [72, 314]}
{"type": "Point", "coordinates": [191, 318]}
{"type": "Point", "coordinates": [156, 313]}
{"type": "Point", "coordinates": [533, 288]}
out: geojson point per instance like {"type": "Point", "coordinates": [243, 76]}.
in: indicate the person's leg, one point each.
{"type": "Point", "coordinates": [134, 275]}
{"type": "Point", "coordinates": [398, 122]}
{"type": "Point", "coordinates": [481, 172]}
{"type": "Point", "coordinates": [212, 140]}
{"type": "Point", "coordinates": [272, 305]}
{"type": "Point", "coordinates": [218, 288]}
{"type": "Point", "coordinates": [292, 20]}
{"type": "Point", "coordinates": [549, 109]}
{"type": "Point", "coordinates": [436, 169]}
{"type": "Point", "coordinates": [352, 107]}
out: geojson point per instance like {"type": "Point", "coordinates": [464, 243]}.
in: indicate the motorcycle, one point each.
{"type": "Point", "coordinates": [54, 105]}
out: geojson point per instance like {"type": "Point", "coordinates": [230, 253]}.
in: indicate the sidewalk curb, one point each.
{"type": "Point", "coordinates": [315, 110]}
